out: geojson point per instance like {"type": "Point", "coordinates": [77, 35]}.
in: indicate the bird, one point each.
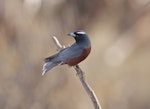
{"type": "Point", "coordinates": [71, 55]}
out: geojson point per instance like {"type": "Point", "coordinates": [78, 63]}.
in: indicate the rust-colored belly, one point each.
{"type": "Point", "coordinates": [76, 60]}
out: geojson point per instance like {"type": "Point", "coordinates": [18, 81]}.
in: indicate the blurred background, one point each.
{"type": "Point", "coordinates": [118, 68]}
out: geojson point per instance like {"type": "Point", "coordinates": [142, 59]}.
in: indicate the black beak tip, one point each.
{"type": "Point", "coordinates": [71, 34]}
{"type": "Point", "coordinates": [68, 34]}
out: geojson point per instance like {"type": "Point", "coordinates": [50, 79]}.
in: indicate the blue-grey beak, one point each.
{"type": "Point", "coordinates": [72, 34]}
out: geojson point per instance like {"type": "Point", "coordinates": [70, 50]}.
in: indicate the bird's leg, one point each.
{"type": "Point", "coordinates": [75, 67]}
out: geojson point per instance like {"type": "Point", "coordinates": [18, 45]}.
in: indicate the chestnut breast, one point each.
{"type": "Point", "coordinates": [81, 57]}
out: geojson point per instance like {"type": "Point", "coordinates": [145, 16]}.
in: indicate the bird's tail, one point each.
{"type": "Point", "coordinates": [50, 63]}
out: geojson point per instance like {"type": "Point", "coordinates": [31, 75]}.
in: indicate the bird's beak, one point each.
{"type": "Point", "coordinates": [72, 34]}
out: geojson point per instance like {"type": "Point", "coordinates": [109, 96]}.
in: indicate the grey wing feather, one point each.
{"type": "Point", "coordinates": [72, 51]}
{"type": "Point", "coordinates": [62, 56]}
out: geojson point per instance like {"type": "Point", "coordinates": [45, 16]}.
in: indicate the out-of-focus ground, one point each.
{"type": "Point", "coordinates": [118, 68]}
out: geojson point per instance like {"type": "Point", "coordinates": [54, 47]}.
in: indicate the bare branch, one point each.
{"type": "Point", "coordinates": [87, 87]}
{"type": "Point", "coordinates": [57, 43]}
{"type": "Point", "coordinates": [81, 76]}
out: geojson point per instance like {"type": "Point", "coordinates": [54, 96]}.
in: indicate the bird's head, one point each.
{"type": "Point", "coordinates": [78, 33]}
{"type": "Point", "coordinates": [81, 37]}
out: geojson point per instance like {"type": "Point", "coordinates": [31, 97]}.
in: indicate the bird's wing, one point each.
{"type": "Point", "coordinates": [70, 52]}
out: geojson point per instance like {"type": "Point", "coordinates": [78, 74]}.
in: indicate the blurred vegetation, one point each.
{"type": "Point", "coordinates": [118, 68]}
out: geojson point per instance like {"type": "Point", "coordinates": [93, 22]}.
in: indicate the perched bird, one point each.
{"type": "Point", "coordinates": [71, 55]}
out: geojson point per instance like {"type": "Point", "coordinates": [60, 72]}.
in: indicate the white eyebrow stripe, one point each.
{"type": "Point", "coordinates": [81, 32]}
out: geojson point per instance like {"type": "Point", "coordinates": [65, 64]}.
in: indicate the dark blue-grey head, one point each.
{"type": "Point", "coordinates": [77, 33]}
{"type": "Point", "coordinates": [81, 37]}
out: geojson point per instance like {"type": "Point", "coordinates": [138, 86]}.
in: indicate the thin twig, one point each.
{"type": "Point", "coordinates": [57, 43]}
{"type": "Point", "coordinates": [81, 76]}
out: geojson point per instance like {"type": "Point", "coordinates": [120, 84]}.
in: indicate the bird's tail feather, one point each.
{"type": "Point", "coordinates": [48, 66]}
{"type": "Point", "coordinates": [50, 62]}
{"type": "Point", "coordinates": [48, 59]}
